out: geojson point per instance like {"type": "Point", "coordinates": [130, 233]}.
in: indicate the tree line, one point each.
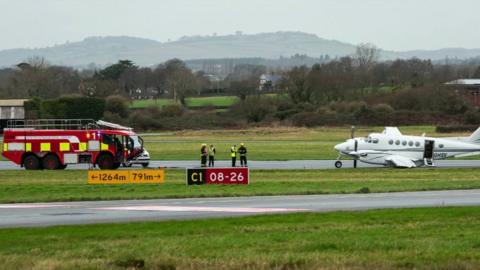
{"type": "Point", "coordinates": [350, 77]}
{"type": "Point", "coordinates": [355, 88]}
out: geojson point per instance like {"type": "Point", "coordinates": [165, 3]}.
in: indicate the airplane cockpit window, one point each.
{"type": "Point", "coordinates": [417, 144]}
{"type": "Point", "coordinates": [390, 142]}
{"type": "Point", "coordinates": [410, 143]}
{"type": "Point", "coordinates": [397, 142]}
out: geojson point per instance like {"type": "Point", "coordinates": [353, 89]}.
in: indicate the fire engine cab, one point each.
{"type": "Point", "coordinates": [55, 143]}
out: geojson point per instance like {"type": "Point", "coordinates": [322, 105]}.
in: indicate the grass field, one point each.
{"type": "Point", "coordinates": [426, 239]}
{"type": "Point", "coordinates": [265, 143]}
{"type": "Point", "coordinates": [216, 101]}
{"type": "Point", "coordinates": [43, 186]}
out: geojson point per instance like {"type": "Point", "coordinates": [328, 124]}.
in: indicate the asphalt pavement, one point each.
{"type": "Point", "coordinates": [64, 213]}
{"type": "Point", "coordinates": [277, 165]}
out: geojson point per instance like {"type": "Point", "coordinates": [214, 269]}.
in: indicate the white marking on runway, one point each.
{"type": "Point", "coordinates": [30, 206]}
{"type": "Point", "coordinates": [202, 209]}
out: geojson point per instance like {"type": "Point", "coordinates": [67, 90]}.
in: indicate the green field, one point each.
{"type": "Point", "coordinates": [216, 101]}
{"type": "Point", "coordinates": [265, 143]}
{"type": "Point", "coordinates": [426, 239]}
{"type": "Point", "coordinates": [70, 185]}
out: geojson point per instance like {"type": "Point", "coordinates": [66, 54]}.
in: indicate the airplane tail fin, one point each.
{"type": "Point", "coordinates": [475, 137]}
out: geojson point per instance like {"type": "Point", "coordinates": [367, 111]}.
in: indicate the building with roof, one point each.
{"type": "Point", "coordinates": [469, 87]}
{"type": "Point", "coordinates": [269, 82]}
{"type": "Point", "coordinates": [11, 109]}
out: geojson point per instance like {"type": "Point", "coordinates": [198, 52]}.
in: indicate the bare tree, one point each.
{"type": "Point", "coordinates": [36, 78]}
{"type": "Point", "coordinates": [244, 79]}
{"type": "Point", "coordinates": [366, 55]}
{"type": "Point", "coordinates": [179, 80]}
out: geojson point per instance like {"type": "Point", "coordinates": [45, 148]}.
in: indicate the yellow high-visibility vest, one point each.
{"type": "Point", "coordinates": [211, 151]}
{"type": "Point", "coordinates": [233, 151]}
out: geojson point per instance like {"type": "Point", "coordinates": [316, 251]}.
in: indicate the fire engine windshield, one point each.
{"type": "Point", "coordinates": [135, 142]}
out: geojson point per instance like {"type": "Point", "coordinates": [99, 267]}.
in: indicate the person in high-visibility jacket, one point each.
{"type": "Point", "coordinates": [233, 154]}
{"type": "Point", "coordinates": [203, 155]}
{"type": "Point", "coordinates": [242, 150]}
{"type": "Point", "coordinates": [211, 155]}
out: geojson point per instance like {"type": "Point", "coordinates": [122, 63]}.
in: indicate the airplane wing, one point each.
{"type": "Point", "coordinates": [401, 162]}
{"type": "Point", "coordinates": [468, 154]}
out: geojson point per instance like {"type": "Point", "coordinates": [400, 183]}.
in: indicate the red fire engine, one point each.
{"type": "Point", "coordinates": [54, 143]}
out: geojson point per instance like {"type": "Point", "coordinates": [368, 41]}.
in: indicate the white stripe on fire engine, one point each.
{"type": "Point", "coordinates": [71, 139]}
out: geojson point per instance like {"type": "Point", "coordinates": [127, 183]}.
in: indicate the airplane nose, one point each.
{"type": "Point", "coordinates": [338, 147]}
{"type": "Point", "coordinates": [343, 147]}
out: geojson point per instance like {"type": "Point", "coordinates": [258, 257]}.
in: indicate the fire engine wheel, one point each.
{"type": "Point", "coordinates": [62, 167]}
{"type": "Point", "coordinates": [144, 165]}
{"type": "Point", "coordinates": [32, 162]}
{"type": "Point", "coordinates": [51, 162]}
{"type": "Point", "coordinates": [116, 165]}
{"type": "Point", "coordinates": [105, 162]}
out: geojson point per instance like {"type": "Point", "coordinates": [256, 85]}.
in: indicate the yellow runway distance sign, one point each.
{"type": "Point", "coordinates": [126, 177]}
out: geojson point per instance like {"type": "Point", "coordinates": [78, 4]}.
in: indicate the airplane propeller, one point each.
{"type": "Point", "coordinates": [352, 135]}
{"type": "Point", "coordinates": [355, 161]}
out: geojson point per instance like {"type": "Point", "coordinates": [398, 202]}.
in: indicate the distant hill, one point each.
{"type": "Point", "coordinates": [98, 50]}
{"type": "Point", "coordinates": [146, 52]}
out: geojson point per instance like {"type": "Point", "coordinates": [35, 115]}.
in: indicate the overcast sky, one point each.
{"type": "Point", "coordinates": [390, 24]}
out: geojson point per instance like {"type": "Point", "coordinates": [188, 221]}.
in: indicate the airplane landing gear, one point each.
{"type": "Point", "coordinates": [338, 164]}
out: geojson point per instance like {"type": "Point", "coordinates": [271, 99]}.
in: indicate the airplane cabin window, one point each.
{"type": "Point", "coordinates": [440, 145]}
{"type": "Point", "coordinates": [375, 140]}
{"type": "Point", "coordinates": [404, 143]}
{"type": "Point", "coordinates": [417, 144]}
{"type": "Point", "coordinates": [397, 142]}
{"type": "Point", "coordinates": [390, 142]}
{"type": "Point", "coordinates": [410, 143]}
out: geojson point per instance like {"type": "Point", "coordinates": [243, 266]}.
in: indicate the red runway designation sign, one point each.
{"type": "Point", "coordinates": [225, 176]}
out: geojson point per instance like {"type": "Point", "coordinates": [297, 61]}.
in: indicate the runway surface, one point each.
{"type": "Point", "coordinates": [290, 164]}
{"type": "Point", "coordinates": [62, 213]}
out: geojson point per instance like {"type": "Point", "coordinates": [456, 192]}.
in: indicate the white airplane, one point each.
{"type": "Point", "coordinates": [392, 148]}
